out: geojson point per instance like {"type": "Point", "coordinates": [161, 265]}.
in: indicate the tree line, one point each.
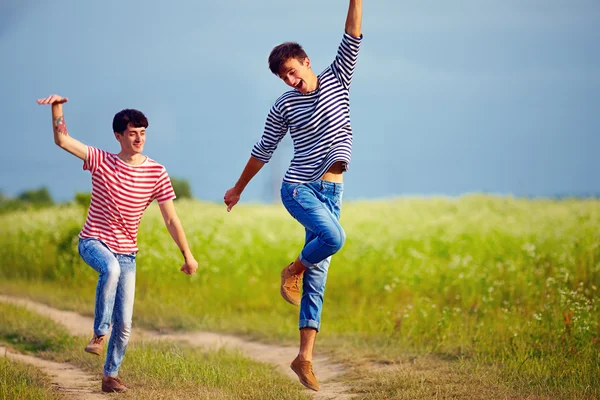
{"type": "Point", "coordinates": [33, 199]}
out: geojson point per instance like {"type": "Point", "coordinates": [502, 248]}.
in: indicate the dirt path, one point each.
{"type": "Point", "coordinates": [280, 356]}
{"type": "Point", "coordinates": [73, 382]}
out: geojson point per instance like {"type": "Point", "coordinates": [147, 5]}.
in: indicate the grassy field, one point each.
{"type": "Point", "coordinates": [489, 282]}
{"type": "Point", "coordinates": [155, 370]}
{"type": "Point", "coordinates": [22, 382]}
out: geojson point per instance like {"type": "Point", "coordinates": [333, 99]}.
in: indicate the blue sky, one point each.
{"type": "Point", "coordinates": [448, 97]}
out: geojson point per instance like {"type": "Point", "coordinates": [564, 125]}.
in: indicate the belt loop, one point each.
{"type": "Point", "coordinates": [321, 184]}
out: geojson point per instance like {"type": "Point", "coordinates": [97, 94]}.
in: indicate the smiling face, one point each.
{"type": "Point", "coordinates": [129, 127]}
{"type": "Point", "coordinates": [298, 75]}
{"type": "Point", "coordinates": [132, 140]}
{"type": "Point", "coordinates": [290, 63]}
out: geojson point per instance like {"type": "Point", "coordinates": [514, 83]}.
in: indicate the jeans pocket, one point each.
{"type": "Point", "coordinates": [306, 198]}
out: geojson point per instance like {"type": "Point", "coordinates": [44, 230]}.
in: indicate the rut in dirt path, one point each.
{"type": "Point", "coordinates": [281, 356]}
{"type": "Point", "coordinates": [74, 383]}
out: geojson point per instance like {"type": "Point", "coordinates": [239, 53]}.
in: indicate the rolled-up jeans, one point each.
{"type": "Point", "coordinates": [316, 205]}
{"type": "Point", "coordinates": [114, 298]}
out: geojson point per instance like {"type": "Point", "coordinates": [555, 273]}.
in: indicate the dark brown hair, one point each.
{"type": "Point", "coordinates": [280, 54]}
{"type": "Point", "coordinates": [128, 116]}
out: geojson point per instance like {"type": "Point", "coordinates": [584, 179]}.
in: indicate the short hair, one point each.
{"type": "Point", "coordinates": [280, 54]}
{"type": "Point", "coordinates": [125, 117]}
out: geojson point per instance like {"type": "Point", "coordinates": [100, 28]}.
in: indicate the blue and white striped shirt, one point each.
{"type": "Point", "coordinates": [319, 121]}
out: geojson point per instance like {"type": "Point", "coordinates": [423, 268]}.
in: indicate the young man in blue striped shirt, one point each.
{"type": "Point", "coordinates": [317, 114]}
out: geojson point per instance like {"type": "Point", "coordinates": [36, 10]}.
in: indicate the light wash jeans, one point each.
{"type": "Point", "coordinates": [114, 298]}
{"type": "Point", "coordinates": [316, 206]}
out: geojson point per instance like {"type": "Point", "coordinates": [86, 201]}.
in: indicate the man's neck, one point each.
{"type": "Point", "coordinates": [131, 159]}
{"type": "Point", "coordinates": [313, 84]}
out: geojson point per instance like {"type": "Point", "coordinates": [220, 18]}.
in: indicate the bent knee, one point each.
{"type": "Point", "coordinates": [112, 271]}
{"type": "Point", "coordinates": [334, 239]}
{"type": "Point", "coordinates": [123, 331]}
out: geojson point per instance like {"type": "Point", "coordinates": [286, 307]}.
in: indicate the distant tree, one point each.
{"type": "Point", "coordinates": [39, 197]}
{"type": "Point", "coordinates": [7, 204]}
{"type": "Point", "coordinates": [27, 200]}
{"type": "Point", "coordinates": [11, 205]}
{"type": "Point", "coordinates": [182, 188]}
{"type": "Point", "coordinates": [83, 199]}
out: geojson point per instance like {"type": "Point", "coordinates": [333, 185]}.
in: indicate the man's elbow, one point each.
{"type": "Point", "coordinates": [354, 31]}
{"type": "Point", "coordinates": [171, 222]}
{"type": "Point", "coordinates": [60, 142]}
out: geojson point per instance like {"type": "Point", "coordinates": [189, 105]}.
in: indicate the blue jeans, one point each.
{"type": "Point", "coordinates": [316, 205]}
{"type": "Point", "coordinates": [114, 298]}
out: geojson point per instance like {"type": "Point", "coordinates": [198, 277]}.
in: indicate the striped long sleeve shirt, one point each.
{"type": "Point", "coordinates": [319, 122]}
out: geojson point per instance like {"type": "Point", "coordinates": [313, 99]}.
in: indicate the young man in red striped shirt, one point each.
{"type": "Point", "coordinates": [123, 186]}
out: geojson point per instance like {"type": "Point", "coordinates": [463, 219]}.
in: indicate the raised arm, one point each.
{"type": "Point", "coordinates": [354, 18]}
{"type": "Point", "coordinates": [61, 135]}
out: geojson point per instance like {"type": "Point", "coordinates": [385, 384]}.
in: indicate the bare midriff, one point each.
{"type": "Point", "coordinates": [335, 172]}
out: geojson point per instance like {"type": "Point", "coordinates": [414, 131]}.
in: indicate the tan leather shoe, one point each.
{"type": "Point", "coordinates": [304, 370]}
{"type": "Point", "coordinates": [111, 385]}
{"type": "Point", "coordinates": [96, 345]}
{"type": "Point", "coordinates": [290, 286]}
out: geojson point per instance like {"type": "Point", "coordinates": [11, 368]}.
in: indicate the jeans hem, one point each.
{"type": "Point", "coordinates": [111, 374]}
{"type": "Point", "coordinates": [306, 263]}
{"type": "Point", "coordinates": [309, 323]}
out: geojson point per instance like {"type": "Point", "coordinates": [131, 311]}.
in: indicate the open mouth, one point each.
{"type": "Point", "coordinates": [299, 85]}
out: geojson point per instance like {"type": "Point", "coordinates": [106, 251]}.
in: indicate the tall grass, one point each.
{"type": "Point", "coordinates": [496, 280]}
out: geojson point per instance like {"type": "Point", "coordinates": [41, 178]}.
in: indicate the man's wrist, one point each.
{"type": "Point", "coordinates": [187, 255]}
{"type": "Point", "coordinates": [239, 187]}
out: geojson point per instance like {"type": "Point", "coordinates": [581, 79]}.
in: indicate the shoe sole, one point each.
{"type": "Point", "coordinates": [91, 351]}
{"type": "Point", "coordinates": [114, 390]}
{"type": "Point", "coordinates": [288, 298]}
{"type": "Point", "coordinates": [307, 384]}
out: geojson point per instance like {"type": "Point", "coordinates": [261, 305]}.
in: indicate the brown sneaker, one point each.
{"type": "Point", "coordinates": [290, 286]}
{"type": "Point", "coordinates": [304, 370]}
{"type": "Point", "coordinates": [110, 385]}
{"type": "Point", "coordinates": [96, 345]}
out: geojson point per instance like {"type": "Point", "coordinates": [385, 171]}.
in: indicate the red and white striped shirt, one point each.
{"type": "Point", "coordinates": [120, 195]}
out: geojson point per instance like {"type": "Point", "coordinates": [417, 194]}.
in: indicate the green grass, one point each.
{"type": "Point", "coordinates": [161, 370]}
{"type": "Point", "coordinates": [496, 281]}
{"type": "Point", "coordinates": [20, 381]}
{"type": "Point", "coordinates": [27, 332]}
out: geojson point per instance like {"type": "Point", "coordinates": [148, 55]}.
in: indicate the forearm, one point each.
{"type": "Point", "coordinates": [354, 18]}
{"type": "Point", "coordinates": [61, 136]}
{"type": "Point", "coordinates": [176, 231]}
{"type": "Point", "coordinates": [252, 167]}
{"type": "Point", "coordinates": [58, 125]}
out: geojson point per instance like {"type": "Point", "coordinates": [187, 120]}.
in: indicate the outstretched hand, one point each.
{"type": "Point", "coordinates": [53, 99]}
{"type": "Point", "coordinates": [189, 267]}
{"type": "Point", "coordinates": [232, 196]}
